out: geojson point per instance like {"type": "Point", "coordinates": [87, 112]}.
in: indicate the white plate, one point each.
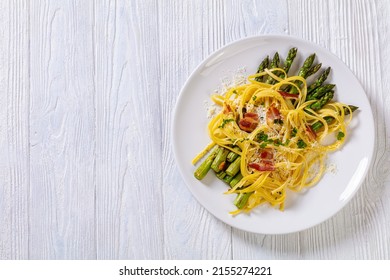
{"type": "Point", "coordinates": [302, 210]}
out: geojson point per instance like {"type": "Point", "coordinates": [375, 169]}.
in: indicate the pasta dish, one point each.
{"type": "Point", "coordinates": [273, 133]}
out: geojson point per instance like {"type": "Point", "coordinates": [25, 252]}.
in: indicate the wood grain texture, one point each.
{"type": "Point", "coordinates": [62, 128]}
{"type": "Point", "coordinates": [188, 33]}
{"type": "Point", "coordinates": [88, 93]}
{"type": "Point", "coordinates": [129, 220]}
{"type": "Point", "coordinates": [14, 130]}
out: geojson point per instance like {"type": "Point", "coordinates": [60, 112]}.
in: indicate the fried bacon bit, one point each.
{"type": "Point", "coordinates": [226, 108]}
{"type": "Point", "coordinates": [311, 133]}
{"type": "Point", "coordinates": [251, 115]}
{"type": "Point", "coordinates": [262, 166]}
{"type": "Point", "coordinates": [266, 161]}
{"type": "Point", "coordinates": [272, 115]}
{"type": "Point", "coordinates": [266, 154]}
{"type": "Point", "coordinates": [288, 95]}
{"type": "Point", "coordinates": [248, 124]}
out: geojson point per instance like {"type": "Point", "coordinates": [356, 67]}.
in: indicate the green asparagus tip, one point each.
{"type": "Point", "coordinates": [353, 108]}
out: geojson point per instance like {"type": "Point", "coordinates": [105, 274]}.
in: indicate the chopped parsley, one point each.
{"type": "Point", "coordinates": [340, 135]}
{"type": "Point", "coordinates": [277, 142]}
{"type": "Point", "coordinates": [262, 136]}
{"type": "Point", "coordinates": [301, 144]}
{"type": "Point", "coordinates": [278, 121]}
{"type": "Point", "coordinates": [224, 122]}
{"type": "Point", "coordinates": [294, 132]}
{"type": "Point", "coordinates": [254, 97]}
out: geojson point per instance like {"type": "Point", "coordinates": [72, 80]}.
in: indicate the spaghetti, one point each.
{"type": "Point", "coordinates": [278, 137]}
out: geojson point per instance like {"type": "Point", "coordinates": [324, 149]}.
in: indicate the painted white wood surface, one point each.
{"type": "Point", "coordinates": [87, 94]}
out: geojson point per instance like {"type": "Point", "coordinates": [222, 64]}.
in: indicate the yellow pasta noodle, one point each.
{"type": "Point", "coordinates": [280, 140]}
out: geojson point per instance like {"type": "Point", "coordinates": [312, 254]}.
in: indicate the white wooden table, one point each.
{"type": "Point", "coordinates": [87, 94]}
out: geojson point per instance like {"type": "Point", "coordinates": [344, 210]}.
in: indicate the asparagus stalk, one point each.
{"type": "Point", "coordinates": [320, 80]}
{"type": "Point", "coordinates": [219, 160]}
{"type": "Point", "coordinates": [236, 179]}
{"type": "Point", "coordinates": [242, 199]}
{"type": "Point", "coordinates": [221, 174]}
{"type": "Point", "coordinates": [313, 70]}
{"type": "Point", "coordinates": [306, 65]}
{"type": "Point", "coordinates": [233, 155]}
{"type": "Point", "coordinates": [318, 125]}
{"type": "Point", "coordinates": [353, 109]}
{"type": "Point", "coordinates": [322, 101]}
{"type": "Point", "coordinates": [303, 71]}
{"type": "Point", "coordinates": [234, 167]}
{"type": "Point", "coordinates": [274, 64]}
{"type": "Point", "coordinates": [204, 168]}
{"type": "Point", "coordinates": [262, 66]}
{"type": "Point", "coordinates": [292, 53]}
{"type": "Point", "coordinates": [320, 92]}
{"type": "Point", "coordinates": [227, 179]}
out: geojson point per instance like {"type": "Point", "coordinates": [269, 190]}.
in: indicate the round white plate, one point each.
{"type": "Point", "coordinates": [302, 210]}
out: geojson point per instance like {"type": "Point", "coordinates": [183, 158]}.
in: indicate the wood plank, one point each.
{"type": "Point", "coordinates": [62, 174]}
{"type": "Point", "coordinates": [189, 31]}
{"type": "Point", "coordinates": [14, 130]}
{"type": "Point", "coordinates": [129, 210]}
{"type": "Point", "coordinates": [350, 30]}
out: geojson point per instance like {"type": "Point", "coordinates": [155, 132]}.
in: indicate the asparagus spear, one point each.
{"type": "Point", "coordinates": [306, 65]}
{"type": "Point", "coordinates": [242, 199]}
{"type": "Point", "coordinates": [313, 70]}
{"type": "Point", "coordinates": [221, 174]}
{"type": "Point", "coordinates": [320, 91]}
{"type": "Point", "coordinates": [262, 66]}
{"type": "Point", "coordinates": [227, 179]}
{"type": "Point", "coordinates": [322, 101]}
{"type": "Point", "coordinates": [353, 109]}
{"type": "Point", "coordinates": [234, 167]}
{"type": "Point", "coordinates": [219, 160]}
{"type": "Point", "coordinates": [233, 155]}
{"type": "Point", "coordinates": [274, 64]}
{"type": "Point", "coordinates": [236, 179]}
{"type": "Point", "coordinates": [204, 168]}
{"type": "Point", "coordinates": [318, 125]}
{"type": "Point", "coordinates": [292, 53]}
{"type": "Point", "coordinates": [320, 80]}
{"type": "Point", "coordinates": [303, 71]}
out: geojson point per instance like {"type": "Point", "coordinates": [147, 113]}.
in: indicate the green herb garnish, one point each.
{"type": "Point", "coordinates": [224, 122]}
{"type": "Point", "coordinates": [301, 144]}
{"type": "Point", "coordinates": [262, 136]}
{"type": "Point", "coordinates": [294, 132]}
{"type": "Point", "coordinates": [278, 121]}
{"type": "Point", "coordinates": [340, 135]}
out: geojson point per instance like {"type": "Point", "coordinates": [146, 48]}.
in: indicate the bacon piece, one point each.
{"type": "Point", "coordinates": [272, 115]}
{"type": "Point", "coordinates": [226, 108]}
{"type": "Point", "coordinates": [248, 124]}
{"type": "Point", "coordinates": [288, 95]}
{"type": "Point", "coordinates": [262, 166]}
{"type": "Point", "coordinates": [311, 133]}
{"type": "Point", "coordinates": [266, 154]}
{"type": "Point", "coordinates": [251, 115]}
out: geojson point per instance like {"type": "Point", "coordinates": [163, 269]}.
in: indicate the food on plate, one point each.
{"type": "Point", "coordinates": [273, 133]}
